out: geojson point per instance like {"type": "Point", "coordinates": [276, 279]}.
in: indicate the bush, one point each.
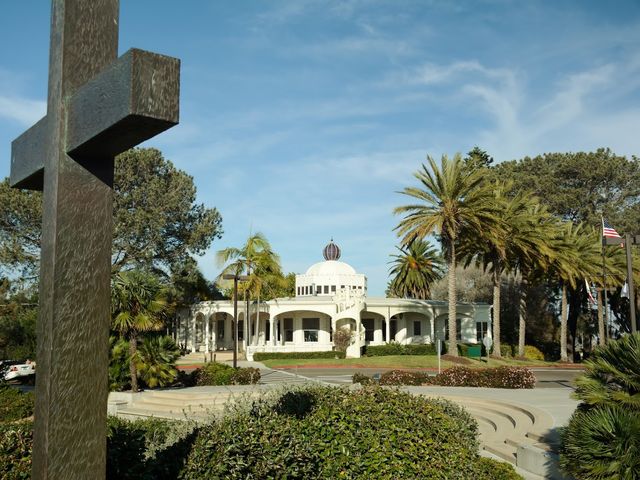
{"type": "Point", "coordinates": [245, 376]}
{"type": "Point", "coordinates": [342, 338]}
{"type": "Point", "coordinates": [15, 405]}
{"type": "Point", "coordinates": [119, 373]}
{"type": "Point", "coordinates": [394, 348]}
{"type": "Point", "coordinates": [487, 468]}
{"type": "Point", "coordinates": [215, 373]}
{"type": "Point", "coordinates": [500, 377]}
{"type": "Point", "coordinates": [362, 379]}
{"type": "Point", "coordinates": [602, 442]}
{"type": "Point", "coordinates": [532, 353]}
{"type": "Point", "coordinates": [16, 443]}
{"type": "Point", "coordinates": [258, 357]}
{"type": "Point", "coordinates": [403, 377]}
{"type": "Point", "coordinates": [328, 433]}
{"type": "Point", "coordinates": [147, 449]}
{"type": "Point", "coordinates": [602, 439]}
{"type": "Point", "coordinates": [156, 361]}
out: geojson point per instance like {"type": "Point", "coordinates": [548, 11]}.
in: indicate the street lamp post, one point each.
{"type": "Point", "coordinates": [235, 279]}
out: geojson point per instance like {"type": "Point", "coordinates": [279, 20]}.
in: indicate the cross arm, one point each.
{"type": "Point", "coordinates": [134, 99]}
{"type": "Point", "coordinates": [27, 157]}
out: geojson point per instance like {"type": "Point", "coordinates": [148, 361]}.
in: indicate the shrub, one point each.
{"type": "Point", "coordinates": [147, 449]}
{"type": "Point", "coordinates": [245, 376]}
{"type": "Point", "coordinates": [119, 373]}
{"type": "Point", "coordinates": [507, 350]}
{"type": "Point", "coordinates": [362, 379]}
{"type": "Point", "coordinates": [602, 442]}
{"type": "Point", "coordinates": [532, 353]}
{"type": "Point", "coordinates": [602, 439]}
{"type": "Point", "coordinates": [16, 442]}
{"type": "Point", "coordinates": [395, 348]}
{"type": "Point", "coordinates": [328, 433]}
{"type": "Point", "coordinates": [258, 357]}
{"type": "Point", "coordinates": [488, 468]}
{"type": "Point", "coordinates": [403, 377]}
{"type": "Point", "coordinates": [215, 373]}
{"type": "Point", "coordinates": [500, 377]}
{"type": "Point", "coordinates": [15, 405]}
{"type": "Point", "coordinates": [342, 338]}
{"type": "Point", "coordinates": [155, 361]}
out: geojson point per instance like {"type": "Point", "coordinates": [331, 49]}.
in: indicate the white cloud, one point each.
{"type": "Point", "coordinates": [22, 110]}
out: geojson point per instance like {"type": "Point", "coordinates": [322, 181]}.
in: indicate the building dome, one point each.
{"type": "Point", "coordinates": [331, 267]}
{"type": "Point", "coordinates": [331, 251]}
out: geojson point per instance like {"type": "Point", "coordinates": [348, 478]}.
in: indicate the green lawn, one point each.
{"type": "Point", "coordinates": [397, 361]}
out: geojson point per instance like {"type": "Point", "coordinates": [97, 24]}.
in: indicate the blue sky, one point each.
{"type": "Point", "coordinates": [302, 119]}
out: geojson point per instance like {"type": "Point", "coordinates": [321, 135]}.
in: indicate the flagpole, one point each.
{"type": "Point", "coordinates": [604, 290]}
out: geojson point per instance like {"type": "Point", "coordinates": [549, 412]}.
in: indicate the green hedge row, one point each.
{"type": "Point", "coordinates": [394, 348]}
{"type": "Point", "coordinates": [258, 357]}
{"type": "Point", "coordinates": [215, 373]}
{"type": "Point", "coordinates": [308, 433]}
{"type": "Point", "coordinates": [500, 377]}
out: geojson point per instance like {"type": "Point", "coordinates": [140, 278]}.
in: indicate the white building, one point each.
{"type": "Point", "coordinates": [329, 296]}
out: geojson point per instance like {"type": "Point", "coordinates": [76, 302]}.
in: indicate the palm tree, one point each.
{"type": "Point", "coordinates": [414, 270]}
{"type": "Point", "coordinates": [453, 202]}
{"type": "Point", "coordinates": [259, 262]}
{"type": "Point", "coordinates": [137, 304]}
{"type": "Point", "coordinates": [519, 216]}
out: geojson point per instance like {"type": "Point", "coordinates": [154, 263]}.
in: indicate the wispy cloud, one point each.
{"type": "Point", "coordinates": [22, 110]}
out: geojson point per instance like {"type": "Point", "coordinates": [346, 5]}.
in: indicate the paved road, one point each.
{"type": "Point", "coordinates": [547, 378]}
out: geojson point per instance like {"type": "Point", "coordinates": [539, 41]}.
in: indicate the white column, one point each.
{"type": "Point", "coordinates": [272, 331]}
{"type": "Point", "coordinates": [206, 334]}
{"type": "Point", "coordinates": [388, 328]}
{"type": "Point", "coordinates": [193, 334]}
{"type": "Point", "coordinates": [432, 331]}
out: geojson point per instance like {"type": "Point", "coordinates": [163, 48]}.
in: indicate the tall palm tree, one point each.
{"type": "Point", "coordinates": [453, 201]}
{"type": "Point", "coordinates": [519, 215]}
{"type": "Point", "coordinates": [137, 303]}
{"type": "Point", "coordinates": [259, 262]}
{"type": "Point", "coordinates": [414, 270]}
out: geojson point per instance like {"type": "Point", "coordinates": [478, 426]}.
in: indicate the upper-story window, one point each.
{"type": "Point", "coordinates": [326, 289]}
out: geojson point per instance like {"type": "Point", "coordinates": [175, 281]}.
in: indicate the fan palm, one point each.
{"type": "Point", "coordinates": [453, 201]}
{"type": "Point", "coordinates": [258, 261]}
{"type": "Point", "coordinates": [137, 303]}
{"type": "Point", "coordinates": [414, 270]}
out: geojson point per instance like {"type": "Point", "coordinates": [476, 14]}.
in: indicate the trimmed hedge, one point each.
{"type": "Point", "coordinates": [394, 348]}
{"type": "Point", "coordinates": [329, 433]}
{"type": "Point", "coordinates": [530, 352]}
{"type": "Point", "coordinates": [500, 377]}
{"type": "Point", "coordinates": [314, 432]}
{"type": "Point", "coordinates": [258, 357]}
{"type": "Point", "coordinates": [215, 373]}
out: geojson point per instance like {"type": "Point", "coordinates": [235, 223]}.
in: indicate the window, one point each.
{"type": "Point", "coordinates": [288, 329]}
{"type": "Point", "coordinates": [458, 329]}
{"type": "Point", "coordinates": [267, 331]}
{"type": "Point", "coordinates": [384, 330]}
{"type": "Point", "coordinates": [220, 329]}
{"type": "Point", "coordinates": [240, 330]}
{"type": "Point", "coordinates": [318, 290]}
{"type": "Point", "coordinates": [310, 326]}
{"type": "Point", "coordinates": [368, 329]}
{"type": "Point", "coordinates": [299, 289]}
{"type": "Point", "coordinates": [393, 329]}
{"type": "Point", "coordinates": [481, 330]}
{"type": "Point", "coordinates": [326, 289]}
{"type": "Point", "coordinates": [417, 328]}
{"type": "Point", "coordinates": [333, 289]}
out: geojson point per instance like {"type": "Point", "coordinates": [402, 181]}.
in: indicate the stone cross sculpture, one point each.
{"type": "Point", "coordinates": [98, 106]}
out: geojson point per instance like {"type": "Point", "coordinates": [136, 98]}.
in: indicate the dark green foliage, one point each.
{"type": "Point", "coordinates": [404, 377]}
{"type": "Point", "coordinates": [258, 357]}
{"type": "Point", "coordinates": [18, 331]}
{"type": "Point", "coordinates": [602, 439]}
{"type": "Point", "coordinates": [602, 443]}
{"type": "Point", "coordinates": [16, 441]}
{"type": "Point", "coordinates": [395, 348]}
{"type": "Point", "coordinates": [14, 404]}
{"type": "Point", "coordinates": [329, 433]}
{"type": "Point", "coordinates": [119, 375]}
{"type": "Point", "coordinates": [156, 358]}
{"type": "Point", "coordinates": [215, 373]}
{"type": "Point", "coordinates": [147, 449]}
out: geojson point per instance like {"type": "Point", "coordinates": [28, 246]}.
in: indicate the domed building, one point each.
{"type": "Point", "coordinates": [330, 295]}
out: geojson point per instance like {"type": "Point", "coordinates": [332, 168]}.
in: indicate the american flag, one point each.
{"type": "Point", "coordinates": [608, 231]}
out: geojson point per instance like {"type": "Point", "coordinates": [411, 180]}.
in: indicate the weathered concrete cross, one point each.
{"type": "Point", "coordinates": [98, 106]}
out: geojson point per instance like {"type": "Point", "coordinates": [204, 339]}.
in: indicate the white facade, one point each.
{"type": "Point", "coordinates": [329, 296]}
